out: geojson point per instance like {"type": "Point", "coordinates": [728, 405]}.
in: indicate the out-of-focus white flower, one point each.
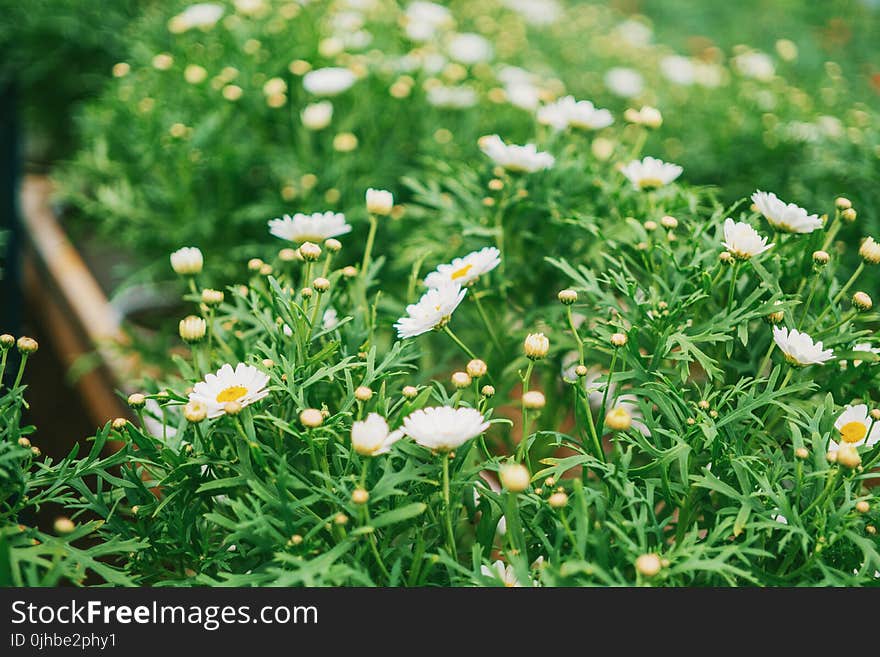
{"type": "Point", "coordinates": [422, 20]}
{"type": "Point", "coordinates": [156, 420]}
{"type": "Point", "coordinates": [536, 12]}
{"type": "Point", "coordinates": [709, 75]}
{"type": "Point", "coordinates": [317, 116]}
{"type": "Point", "coordinates": [650, 173]}
{"type": "Point", "coordinates": [521, 87]}
{"type": "Point", "coordinates": [330, 81]}
{"type": "Point", "coordinates": [635, 33]}
{"type": "Point", "coordinates": [624, 82]}
{"type": "Point", "coordinates": [432, 311]}
{"type": "Point", "coordinates": [330, 319]}
{"type": "Point", "coordinates": [515, 158]}
{"type": "Point", "coordinates": [249, 7]}
{"type": "Point", "coordinates": [443, 428]}
{"type": "Point", "coordinates": [501, 572]}
{"type": "Point", "coordinates": [757, 65]}
{"type": "Point", "coordinates": [315, 227]}
{"type": "Point", "coordinates": [862, 346]}
{"type": "Point", "coordinates": [458, 97]}
{"type": "Point", "coordinates": [568, 112]}
{"type": "Point", "coordinates": [372, 437]}
{"type": "Point", "coordinates": [786, 217]}
{"type": "Point", "coordinates": [466, 270]}
{"type": "Point", "coordinates": [203, 15]}
{"type": "Point", "coordinates": [469, 48]}
{"type": "Point", "coordinates": [799, 348]}
{"type": "Point", "coordinates": [856, 427]}
{"type": "Point", "coordinates": [379, 201]}
{"type": "Point", "coordinates": [187, 261]}
{"type": "Point", "coordinates": [678, 69]}
{"type": "Point", "coordinates": [743, 241]}
{"type": "Point", "coordinates": [244, 385]}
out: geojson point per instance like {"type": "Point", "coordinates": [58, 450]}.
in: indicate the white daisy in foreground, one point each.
{"type": "Point", "coordinates": [372, 437]}
{"type": "Point", "coordinates": [443, 428]}
{"type": "Point", "coordinates": [855, 427]}
{"type": "Point", "coordinates": [784, 216]}
{"type": "Point", "coordinates": [330, 81]}
{"type": "Point", "coordinates": [432, 311]}
{"type": "Point", "coordinates": [799, 348]}
{"type": "Point", "coordinates": [743, 241]}
{"type": "Point", "coordinates": [505, 573]}
{"type": "Point", "coordinates": [244, 384]}
{"type": "Point", "coordinates": [568, 112]}
{"type": "Point", "coordinates": [315, 227]}
{"type": "Point", "coordinates": [466, 270]}
{"type": "Point", "coordinates": [650, 173]}
{"type": "Point", "coordinates": [526, 158]}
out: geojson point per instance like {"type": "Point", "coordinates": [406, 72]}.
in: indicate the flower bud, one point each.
{"type": "Point", "coordinates": [536, 346]}
{"type": "Point", "coordinates": [871, 529]}
{"type": "Point", "coordinates": [496, 185]}
{"type": "Point", "coordinates": [831, 456]}
{"type": "Point", "coordinates": [461, 379]}
{"type": "Point", "coordinates": [317, 116]}
{"type": "Point", "coordinates": [618, 419]}
{"type": "Point", "coordinates": [363, 393]}
{"type": "Point", "coordinates": [821, 258]}
{"type": "Point", "coordinates": [307, 293]}
{"type": "Point", "coordinates": [618, 339]}
{"type": "Point", "coordinates": [195, 412]}
{"type": "Point", "coordinates": [862, 301]}
{"type": "Point", "coordinates": [487, 391]}
{"type": "Point", "coordinates": [310, 251]}
{"type": "Point", "coordinates": [849, 215]}
{"type": "Point", "coordinates": [650, 117]}
{"type": "Point", "coordinates": [514, 477]}
{"type": "Point", "coordinates": [410, 392]}
{"type": "Point", "coordinates": [349, 271]}
{"type": "Point", "coordinates": [534, 400]}
{"type": "Point", "coordinates": [321, 284]}
{"type": "Point", "coordinates": [360, 496]}
{"type": "Point", "coordinates": [875, 413]}
{"type": "Point", "coordinates": [187, 261]}
{"type": "Point", "coordinates": [842, 203]}
{"type": "Point", "coordinates": [848, 456]}
{"type": "Point", "coordinates": [137, 400]}
{"type": "Point", "coordinates": [581, 371]}
{"type": "Point", "coordinates": [862, 506]}
{"type": "Point", "coordinates": [870, 251]}
{"type": "Point", "coordinates": [35, 451]}
{"type": "Point", "coordinates": [557, 500]}
{"type": "Point", "coordinates": [289, 255]}
{"type": "Point", "coordinates": [311, 418]}
{"type": "Point", "coordinates": [266, 269]}
{"type": "Point", "coordinates": [649, 564]}
{"type": "Point", "coordinates": [119, 423]}
{"type": "Point", "coordinates": [567, 296]}
{"type": "Point", "coordinates": [477, 368]}
{"type": "Point", "coordinates": [379, 202]}
{"type": "Point", "coordinates": [6, 341]}
{"type": "Point", "coordinates": [650, 225]}
{"type": "Point", "coordinates": [801, 453]}
{"type": "Point", "coordinates": [232, 408]}
{"type": "Point", "coordinates": [333, 245]}
{"type": "Point", "coordinates": [340, 519]}
{"type": "Point", "coordinates": [669, 222]}
{"type": "Point", "coordinates": [27, 345]}
{"type": "Point", "coordinates": [192, 329]}
{"type": "Point", "coordinates": [24, 442]}
{"type": "Point", "coordinates": [212, 298]}
{"type": "Point", "coordinates": [725, 257]}
{"type": "Point", "coordinates": [254, 265]}
{"type": "Point", "coordinates": [63, 525]}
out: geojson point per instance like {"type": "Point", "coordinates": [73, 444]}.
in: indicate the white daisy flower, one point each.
{"type": "Point", "coordinates": [783, 216]}
{"type": "Point", "coordinates": [469, 48]}
{"type": "Point", "coordinates": [624, 82]}
{"type": "Point", "coordinates": [187, 261]}
{"type": "Point", "coordinates": [330, 319]}
{"type": "Point", "coordinates": [423, 19]}
{"type": "Point", "coordinates": [330, 81]}
{"type": "Point", "coordinates": [855, 427]}
{"type": "Point", "coordinates": [443, 428]}
{"type": "Point", "coordinates": [799, 348]}
{"type": "Point", "coordinates": [756, 65]}
{"type": "Point", "coordinates": [245, 385]}
{"type": "Point", "coordinates": [650, 173]}
{"type": "Point", "coordinates": [678, 69]}
{"type": "Point", "coordinates": [568, 112]}
{"type": "Point", "coordinates": [866, 347]}
{"type": "Point", "coordinates": [202, 15]}
{"type": "Point", "coordinates": [505, 573]}
{"type": "Point", "coordinates": [315, 227]}
{"type": "Point", "coordinates": [742, 240]}
{"type": "Point", "coordinates": [526, 158]}
{"type": "Point", "coordinates": [466, 270]}
{"type": "Point", "coordinates": [372, 437]}
{"type": "Point", "coordinates": [432, 311]}
{"type": "Point", "coordinates": [460, 97]}
{"type": "Point", "coordinates": [634, 32]}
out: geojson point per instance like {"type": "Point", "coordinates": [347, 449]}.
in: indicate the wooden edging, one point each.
{"type": "Point", "coordinates": [72, 306]}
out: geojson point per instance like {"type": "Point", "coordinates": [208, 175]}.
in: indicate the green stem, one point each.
{"type": "Point", "coordinates": [732, 288]}
{"type": "Point", "coordinates": [577, 337]}
{"type": "Point", "coordinates": [839, 295]}
{"type": "Point", "coordinates": [460, 344]}
{"type": "Point", "coordinates": [450, 534]}
{"type": "Point", "coordinates": [20, 373]}
{"type": "Point", "coordinates": [603, 408]}
{"type": "Point", "coordinates": [368, 251]}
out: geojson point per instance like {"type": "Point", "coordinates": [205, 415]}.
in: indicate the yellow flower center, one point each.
{"type": "Point", "coordinates": [461, 272]}
{"type": "Point", "coordinates": [650, 183]}
{"type": "Point", "coordinates": [232, 393]}
{"type": "Point", "coordinates": [853, 432]}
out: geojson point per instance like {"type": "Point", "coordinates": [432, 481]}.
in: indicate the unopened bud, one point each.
{"type": "Point", "coordinates": [557, 500]}
{"type": "Point", "coordinates": [669, 222]}
{"type": "Point", "coordinates": [514, 477]}
{"type": "Point", "coordinates": [461, 379]}
{"type": "Point", "coordinates": [321, 284]}
{"type": "Point", "coordinates": [618, 339]}
{"type": "Point", "coordinates": [821, 258]}
{"type": "Point", "coordinates": [536, 346]}
{"type": "Point", "coordinates": [567, 296]}
{"type": "Point", "coordinates": [410, 392]}
{"type": "Point", "coordinates": [195, 412]}
{"type": "Point", "coordinates": [360, 496]}
{"type": "Point", "coordinates": [363, 393]}
{"type": "Point", "coordinates": [311, 418]}
{"type": "Point", "coordinates": [6, 341]}
{"type": "Point", "coordinates": [862, 506]}
{"type": "Point", "coordinates": [119, 423]}
{"type": "Point", "coordinates": [849, 215]}
{"type": "Point", "coordinates": [842, 203]}
{"type": "Point", "coordinates": [649, 564]}
{"type": "Point", "coordinates": [487, 391]}
{"type": "Point", "coordinates": [136, 400]}
{"type": "Point", "coordinates": [254, 265]}
{"type": "Point", "coordinates": [27, 345]}
{"type": "Point", "coordinates": [801, 453]}
{"type": "Point", "coordinates": [848, 456]}
{"type": "Point", "coordinates": [333, 245]}
{"type": "Point", "coordinates": [232, 408]}
{"type": "Point", "coordinates": [477, 368]}
{"type": "Point", "coordinates": [618, 419]}
{"type": "Point", "coordinates": [862, 301]}
{"type": "Point", "coordinates": [310, 251]}
{"type": "Point", "coordinates": [211, 297]}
